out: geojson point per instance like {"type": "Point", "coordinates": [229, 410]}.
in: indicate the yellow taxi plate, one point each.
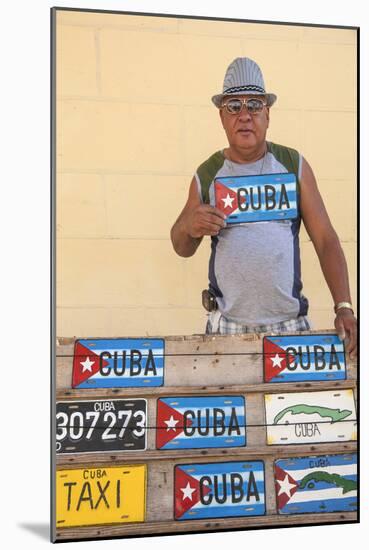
{"type": "Point", "coordinates": [94, 496]}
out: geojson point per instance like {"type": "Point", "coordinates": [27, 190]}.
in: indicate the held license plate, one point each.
{"type": "Point", "coordinates": [94, 496]}
{"type": "Point", "coordinates": [256, 198]}
{"type": "Point", "coordinates": [101, 426]}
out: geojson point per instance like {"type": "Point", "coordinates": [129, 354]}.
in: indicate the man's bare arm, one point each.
{"type": "Point", "coordinates": [329, 251]}
{"type": "Point", "coordinates": [195, 221]}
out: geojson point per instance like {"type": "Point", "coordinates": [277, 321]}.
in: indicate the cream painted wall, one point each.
{"type": "Point", "coordinates": [134, 120]}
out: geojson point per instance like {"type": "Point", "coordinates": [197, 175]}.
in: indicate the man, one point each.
{"type": "Point", "coordinates": [254, 268]}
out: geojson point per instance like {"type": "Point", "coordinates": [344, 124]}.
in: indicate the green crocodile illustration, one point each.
{"type": "Point", "coordinates": [335, 479]}
{"type": "Point", "coordinates": [325, 412]}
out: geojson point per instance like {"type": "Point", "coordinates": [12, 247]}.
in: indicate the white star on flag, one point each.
{"type": "Point", "coordinates": [171, 423]}
{"type": "Point", "coordinates": [187, 491]}
{"type": "Point", "coordinates": [87, 364]}
{"type": "Point", "coordinates": [228, 201]}
{"type": "Point", "coordinates": [277, 360]}
{"type": "Point", "coordinates": [285, 486]}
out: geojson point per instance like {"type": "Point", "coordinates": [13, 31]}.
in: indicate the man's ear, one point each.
{"type": "Point", "coordinates": [221, 116]}
{"type": "Point", "coordinates": [267, 115]}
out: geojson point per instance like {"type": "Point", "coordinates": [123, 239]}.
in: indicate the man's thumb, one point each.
{"type": "Point", "coordinates": [341, 331]}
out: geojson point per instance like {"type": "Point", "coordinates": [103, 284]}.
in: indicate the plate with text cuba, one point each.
{"type": "Point", "coordinates": [316, 484]}
{"type": "Point", "coordinates": [95, 496]}
{"type": "Point", "coordinates": [118, 363]}
{"type": "Point", "coordinates": [298, 358]}
{"type": "Point", "coordinates": [265, 197]}
{"type": "Point", "coordinates": [104, 425]}
{"type": "Point", "coordinates": [218, 490]}
{"type": "Point", "coordinates": [200, 422]}
{"type": "Point", "coordinates": [310, 417]}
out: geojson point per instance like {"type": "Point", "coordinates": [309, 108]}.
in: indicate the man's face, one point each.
{"type": "Point", "coordinates": [245, 132]}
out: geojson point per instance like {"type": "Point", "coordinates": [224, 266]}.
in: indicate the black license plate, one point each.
{"type": "Point", "coordinates": [101, 426]}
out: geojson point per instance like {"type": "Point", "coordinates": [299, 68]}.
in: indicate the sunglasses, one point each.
{"type": "Point", "coordinates": [253, 105]}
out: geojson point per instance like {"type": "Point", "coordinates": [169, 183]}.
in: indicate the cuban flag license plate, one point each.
{"type": "Point", "coordinates": [298, 358]}
{"type": "Point", "coordinates": [118, 363]}
{"type": "Point", "coordinates": [200, 422]}
{"type": "Point", "coordinates": [257, 198]}
{"type": "Point", "coordinates": [316, 484]}
{"type": "Point", "coordinates": [219, 490]}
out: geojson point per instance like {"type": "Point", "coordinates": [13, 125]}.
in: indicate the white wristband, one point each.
{"type": "Point", "coordinates": [342, 305]}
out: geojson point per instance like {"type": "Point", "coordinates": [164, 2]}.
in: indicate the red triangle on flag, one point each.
{"type": "Point", "coordinates": [226, 199]}
{"type": "Point", "coordinates": [86, 363]}
{"type": "Point", "coordinates": [275, 359]}
{"type": "Point", "coordinates": [186, 492]}
{"type": "Point", "coordinates": [285, 486]}
{"type": "Point", "coordinates": [169, 424]}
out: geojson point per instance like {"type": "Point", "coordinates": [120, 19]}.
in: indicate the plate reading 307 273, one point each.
{"type": "Point", "coordinates": [102, 425]}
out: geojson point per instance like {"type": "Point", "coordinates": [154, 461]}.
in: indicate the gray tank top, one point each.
{"type": "Point", "coordinates": [254, 268]}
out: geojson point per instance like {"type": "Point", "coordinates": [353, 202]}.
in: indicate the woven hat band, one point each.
{"type": "Point", "coordinates": [249, 88]}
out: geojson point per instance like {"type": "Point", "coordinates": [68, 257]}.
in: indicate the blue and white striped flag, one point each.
{"type": "Point", "coordinates": [221, 489]}
{"type": "Point", "coordinates": [118, 363]}
{"type": "Point", "coordinates": [316, 484]}
{"type": "Point", "coordinates": [256, 198]}
{"type": "Point", "coordinates": [200, 422]}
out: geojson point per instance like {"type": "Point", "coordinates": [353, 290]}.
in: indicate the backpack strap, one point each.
{"type": "Point", "coordinates": [290, 158]}
{"type": "Point", "coordinates": [207, 171]}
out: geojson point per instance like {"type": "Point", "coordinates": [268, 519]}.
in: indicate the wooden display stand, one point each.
{"type": "Point", "coordinates": [201, 365]}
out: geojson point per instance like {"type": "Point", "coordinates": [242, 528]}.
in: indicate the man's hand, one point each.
{"type": "Point", "coordinates": [204, 220]}
{"type": "Point", "coordinates": [345, 323]}
{"type": "Point", "coordinates": [195, 221]}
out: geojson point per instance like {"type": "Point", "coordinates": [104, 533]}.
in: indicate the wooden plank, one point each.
{"type": "Point", "coordinates": [281, 451]}
{"type": "Point", "coordinates": [205, 338]}
{"type": "Point", "coordinates": [158, 528]}
{"type": "Point", "coordinates": [101, 393]}
{"type": "Point", "coordinates": [256, 431]}
{"type": "Point", "coordinates": [200, 360]}
{"type": "Point", "coordinates": [160, 480]}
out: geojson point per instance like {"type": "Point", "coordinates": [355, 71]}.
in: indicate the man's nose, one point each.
{"type": "Point", "coordinates": [244, 114]}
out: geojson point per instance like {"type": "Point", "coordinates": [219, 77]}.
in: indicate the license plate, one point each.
{"type": "Point", "coordinates": [118, 363]}
{"type": "Point", "coordinates": [316, 484]}
{"type": "Point", "coordinates": [94, 496]}
{"type": "Point", "coordinates": [200, 422]}
{"type": "Point", "coordinates": [256, 198]}
{"type": "Point", "coordinates": [220, 489]}
{"type": "Point", "coordinates": [300, 358]}
{"type": "Point", "coordinates": [310, 417]}
{"type": "Point", "coordinates": [100, 426]}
